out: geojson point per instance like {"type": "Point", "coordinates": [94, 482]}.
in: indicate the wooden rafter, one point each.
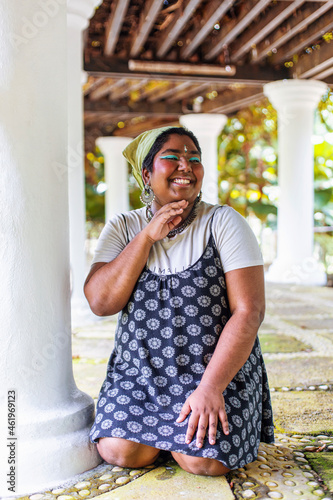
{"type": "Point", "coordinates": [251, 10]}
{"type": "Point", "coordinates": [189, 92]}
{"type": "Point", "coordinates": [214, 12]}
{"type": "Point", "coordinates": [315, 63]}
{"type": "Point", "coordinates": [307, 37]}
{"type": "Point", "coordinates": [291, 28]}
{"type": "Point", "coordinates": [136, 109]}
{"type": "Point", "coordinates": [156, 88]}
{"type": "Point", "coordinates": [164, 93]}
{"type": "Point", "coordinates": [106, 88]}
{"type": "Point", "coordinates": [137, 85]}
{"type": "Point", "coordinates": [254, 34]}
{"type": "Point", "coordinates": [176, 28]}
{"type": "Point", "coordinates": [241, 99]}
{"type": "Point", "coordinates": [118, 68]}
{"type": "Point", "coordinates": [113, 26]}
{"type": "Point", "coordinates": [92, 84]}
{"type": "Point", "coordinates": [147, 19]}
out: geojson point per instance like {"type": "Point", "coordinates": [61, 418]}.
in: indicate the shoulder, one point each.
{"type": "Point", "coordinates": [236, 242]}
{"type": "Point", "coordinates": [131, 218]}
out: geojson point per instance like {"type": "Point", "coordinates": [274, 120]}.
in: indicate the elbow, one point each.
{"type": "Point", "coordinates": [99, 305]}
{"type": "Point", "coordinates": [252, 316]}
{"type": "Point", "coordinates": [256, 316]}
{"type": "Point", "coordinates": [96, 305]}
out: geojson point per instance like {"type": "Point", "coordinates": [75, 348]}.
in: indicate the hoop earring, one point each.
{"type": "Point", "coordinates": [147, 197]}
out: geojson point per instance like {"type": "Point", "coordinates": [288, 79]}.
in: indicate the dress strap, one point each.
{"type": "Point", "coordinates": [125, 221]}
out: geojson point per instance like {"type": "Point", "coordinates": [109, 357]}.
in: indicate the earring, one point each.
{"type": "Point", "coordinates": [199, 197]}
{"type": "Point", "coordinates": [147, 195]}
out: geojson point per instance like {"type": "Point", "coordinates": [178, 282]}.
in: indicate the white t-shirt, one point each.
{"type": "Point", "coordinates": [235, 241]}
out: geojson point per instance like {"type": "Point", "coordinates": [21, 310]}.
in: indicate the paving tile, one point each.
{"type": "Point", "coordinates": [172, 484]}
{"type": "Point", "coordinates": [303, 412]}
{"type": "Point", "coordinates": [299, 371]}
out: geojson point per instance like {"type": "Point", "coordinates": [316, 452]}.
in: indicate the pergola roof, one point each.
{"type": "Point", "coordinates": [150, 61]}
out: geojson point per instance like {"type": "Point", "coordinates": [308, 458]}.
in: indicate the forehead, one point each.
{"type": "Point", "coordinates": [178, 142]}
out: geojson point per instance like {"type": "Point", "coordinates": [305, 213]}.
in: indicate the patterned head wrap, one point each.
{"type": "Point", "coordinates": [137, 150]}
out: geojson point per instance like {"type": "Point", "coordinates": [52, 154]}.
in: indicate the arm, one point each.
{"type": "Point", "coordinates": [109, 286]}
{"type": "Point", "coordinates": [246, 296]}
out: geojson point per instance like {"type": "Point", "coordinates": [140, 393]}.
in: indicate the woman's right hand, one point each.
{"type": "Point", "coordinates": [164, 220]}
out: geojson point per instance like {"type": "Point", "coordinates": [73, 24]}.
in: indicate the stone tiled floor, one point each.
{"type": "Point", "coordinates": [302, 396]}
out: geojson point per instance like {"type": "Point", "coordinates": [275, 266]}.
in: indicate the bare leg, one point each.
{"type": "Point", "coordinates": [200, 466]}
{"type": "Point", "coordinates": [125, 453]}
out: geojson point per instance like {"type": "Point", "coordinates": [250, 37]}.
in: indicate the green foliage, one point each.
{"type": "Point", "coordinates": [248, 162]}
{"type": "Point", "coordinates": [94, 175]}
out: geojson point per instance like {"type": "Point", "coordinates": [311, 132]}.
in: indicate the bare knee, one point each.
{"type": "Point", "coordinates": [200, 466]}
{"type": "Point", "coordinates": [125, 453]}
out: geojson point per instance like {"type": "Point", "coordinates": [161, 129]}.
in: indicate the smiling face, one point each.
{"type": "Point", "coordinates": [177, 171]}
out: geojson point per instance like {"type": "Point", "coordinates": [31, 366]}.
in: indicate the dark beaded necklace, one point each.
{"type": "Point", "coordinates": [192, 215]}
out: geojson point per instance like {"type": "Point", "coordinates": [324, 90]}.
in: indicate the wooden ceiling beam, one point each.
{"type": "Point", "coordinates": [214, 11]}
{"type": "Point", "coordinates": [304, 39]}
{"type": "Point", "coordinates": [147, 19]}
{"type": "Point", "coordinates": [106, 88]}
{"type": "Point", "coordinates": [171, 33]}
{"type": "Point", "coordinates": [229, 98]}
{"type": "Point", "coordinates": [240, 101]}
{"type": "Point", "coordinates": [227, 35]}
{"type": "Point", "coordinates": [326, 73]}
{"type": "Point", "coordinates": [152, 90]}
{"type": "Point", "coordinates": [104, 107]}
{"type": "Point", "coordinates": [290, 28]}
{"type": "Point", "coordinates": [310, 65]}
{"type": "Point", "coordinates": [114, 24]}
{"type": "Point", "coordinates": [134, 129]}
{"type": "Point", "coordinates": [163, 94]}
{"type": "Point", "coordinates": [254, 34]}
{"type": "Point", "coordinates": [130, 88]}
{"type": "Point", "coordinates": [246, 74]}
{"type": "Point", "coordinates": [90, 86]}
{"type": "Point", "coordinates": [136, 108]}
{"type": "Point", "coordinates": [186, 93]}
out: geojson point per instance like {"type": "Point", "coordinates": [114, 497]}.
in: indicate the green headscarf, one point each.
{"type": "Point", "coordinates": [137, 150]}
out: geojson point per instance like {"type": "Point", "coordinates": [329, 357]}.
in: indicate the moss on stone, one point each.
{"type": "Point", "coordinates": [303, 412]}
{"type": "Point", "coordinates": [273, 343]}
{"type": "Point", "coordinates": [322, 463]}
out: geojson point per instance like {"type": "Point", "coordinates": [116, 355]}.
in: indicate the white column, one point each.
{"type": "Point", "coordinates": [78, 14]}
{"type": "Point", "coordinates": [206, 127]}
{"type": "Point", "coordinates": [115, 171]}
{"type": "Point", "coordinates": [295, 102]}
{"type": "Point", "coordinates": [52, 417]}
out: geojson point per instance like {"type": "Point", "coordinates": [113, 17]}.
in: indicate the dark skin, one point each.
{"type": "Point", "coordinates": [176, 180]}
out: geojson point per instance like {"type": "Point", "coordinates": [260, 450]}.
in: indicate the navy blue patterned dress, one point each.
{"type": "Point", "coordinates": [165, 337]}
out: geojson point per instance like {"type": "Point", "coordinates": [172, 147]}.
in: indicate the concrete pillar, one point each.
{"type": "Point", "coordinates": [206, 127]}
{"type": "Point", "coordinates": [295, 102]}
{"type": "Point", "coordinates": [115, 170]}
{"type": "Point", "coordinates": [51, 417]}
{"type": "Point", "coordinates": [78, 14]}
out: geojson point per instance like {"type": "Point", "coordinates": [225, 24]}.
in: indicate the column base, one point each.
{"type": "Point", "coordinates": [305, 272]}
{"type": "Point", "coordinates": [53, 446]}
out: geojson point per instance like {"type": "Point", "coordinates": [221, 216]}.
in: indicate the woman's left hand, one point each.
{"type": "Point", "coordinates": [207, 407]}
